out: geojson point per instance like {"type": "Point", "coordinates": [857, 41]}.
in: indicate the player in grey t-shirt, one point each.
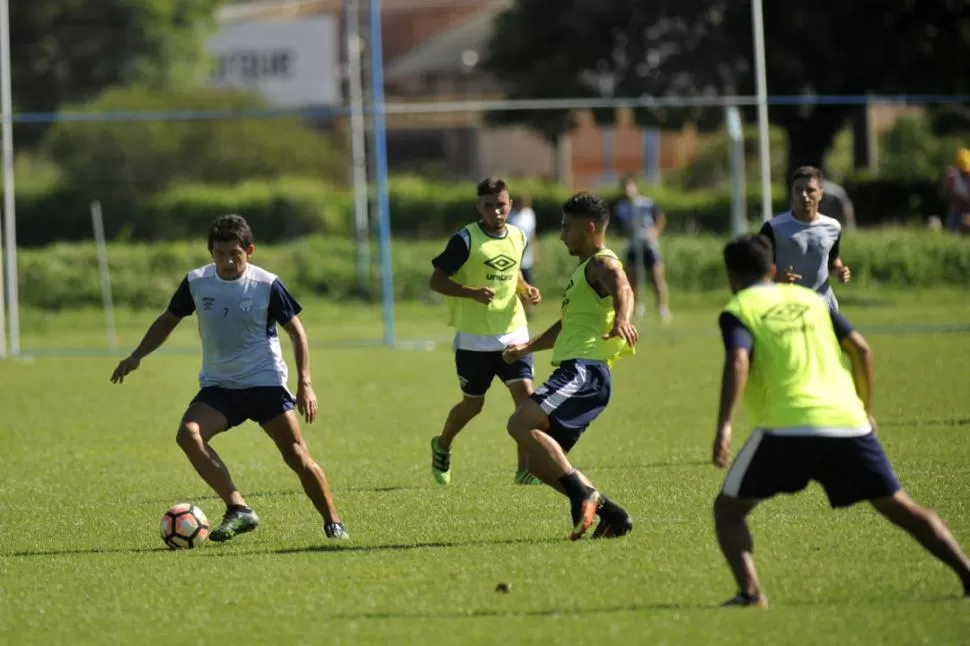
{"type": "Point", "coordinates": [806, 243]}
{"type": "Point", "coordinates": [238, 306]}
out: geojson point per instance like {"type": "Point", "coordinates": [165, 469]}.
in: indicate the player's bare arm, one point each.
{"type": "Point", "coordinates": [737, 364]}
{"type": "Point", "coordinates": [157, 332]}
{"type": "Point", "coordinates": [860, 361]}
{"type": "Point", "coordinates": [544, 341]}
{"type": "Point", "coordinates": [444, 285]}
{"type": "Point", "coordinates": [660, 221]}
{"type": "Point", "coordinates": [530, 292]}
{"type": "Point", "coordinates": [607, 276]}
{"type": "Point", "coordinates": [306, 399]}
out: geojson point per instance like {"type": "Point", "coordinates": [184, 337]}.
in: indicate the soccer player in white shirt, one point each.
{"type": "Point", "coordinates": [243, 372]}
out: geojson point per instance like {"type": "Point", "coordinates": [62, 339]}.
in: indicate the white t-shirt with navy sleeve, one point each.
{"type": "Point", "coordinates": [525, 220]}
{"type": "Point", "coordinates": [638, 219]}
{"type": "Point", "coordinates": [237, 325]}
{"type": "Point", "coordinates": [809, 247]}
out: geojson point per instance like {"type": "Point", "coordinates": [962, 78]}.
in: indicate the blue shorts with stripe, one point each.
{"type": "Point", "coordinates": [477, 369]}
{"type": "Point", "coordinates": [573, 396]}
{"type": "Point", "coordinates": [850, 469]}
{"type": "Point", "coordinates": [259, 403]}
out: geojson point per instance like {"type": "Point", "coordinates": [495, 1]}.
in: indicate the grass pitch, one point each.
{"type": "Point", "coordinates": [88, 469]}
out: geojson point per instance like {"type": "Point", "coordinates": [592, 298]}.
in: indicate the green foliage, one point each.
{"type": "Point", "coordinates": [664, 48]}
{"type": "Point", "coordinates": [712, 165]}
{"type": "Point", "coordinates": [278, 210]}
{"type": "Point", "coordinates": [120, 162]}
{"type": "Point", "coordinates": [885, 200]}
{"type": "Point", "coordinates": [64, 51]}
{"type": "Point", "coordinates": [839, 161]}
{"type": "Point", "coordinates": [911, 150]}
{"type": "Point", "coordinates": [65, 276]}
{"type": "Point", "coordinates": [288, 208]}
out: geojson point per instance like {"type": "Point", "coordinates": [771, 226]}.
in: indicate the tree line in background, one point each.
{"type": "Point", "coordinates": [631, 48]}
{"type": "Point", "coordinates": [164, 179]}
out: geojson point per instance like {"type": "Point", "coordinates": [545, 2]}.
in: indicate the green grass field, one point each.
{"type": "Point", "coordinates": [88, 469]}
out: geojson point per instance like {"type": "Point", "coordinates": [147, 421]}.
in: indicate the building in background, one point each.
{"type": "Point", "coordinates": [293, 62]}
{"type": "Point", "coordinates": [292, 51]}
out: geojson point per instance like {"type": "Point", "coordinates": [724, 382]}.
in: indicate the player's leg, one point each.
{"type": "Point", "coordinates": [928, 529]}
{"type": "Point", "coordinates": [658, 280]}
{"type": "Point", "coordinates": [213, 411]}
{"type": "Point", "coordinates": [518, 379]}
{"type": "Point", "coordinates": [475, 374]}
{"type": "Point", "coordinates": [858, 469]}
{"type": "Point", "coordinates": [549, 423]}
{"type": "Point", "coordinates": [737, 546]}
{"type": "Point", "coordinates": [200, 423]}
{"type": "Point", "coordinates": [548, 462]}
{"type": "Point", "coordinates": [765, 465]}
{"type": "Point", "coordinates": [284, 430]}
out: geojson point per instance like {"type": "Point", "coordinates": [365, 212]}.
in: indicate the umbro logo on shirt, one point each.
{"type": "Point", "coordinates": [785, 313]}
{"type": "Point", "coordinates": [500, 262]}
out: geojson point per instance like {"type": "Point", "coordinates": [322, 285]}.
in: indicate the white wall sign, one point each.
{"type": "Point", "coordinates": [291, 63]}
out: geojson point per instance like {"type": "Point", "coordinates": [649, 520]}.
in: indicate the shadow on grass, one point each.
{"type": "Point", "coordinates": [85, 551]}
{"type": "Point", "coordinates": [636, 607]}
{"type": "Point", "coordinates": [557, 612]}
{"type": "Point", "coordinates": [400, 547]}
{"type": "Point", "coordinates": [293, 492]}
{"type": "Point", "coordinates": [923, 422]}
{"type": "Point", "coordinates": [224, 550]}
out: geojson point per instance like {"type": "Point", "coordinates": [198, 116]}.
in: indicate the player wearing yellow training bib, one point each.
{"type": "Point", "coordinates": [593, 331]}
{"type": "Point", "coordinates": [812, 416]}
{"type": "Point", "coordinates": [480, 273]}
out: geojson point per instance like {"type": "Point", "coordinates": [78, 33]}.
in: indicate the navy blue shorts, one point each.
{"type": "Point", "coordinates": [850, 469]}
{"type": "Point", "coordinates": [651, 256]}
{"type": "Point", "coordinates": [527, 274]}
{"type": "Point", "coordinates": [575, 394]}
{"type": "Point", "coordinates": [260, 404]}
{"type": "Point", "coordinates": [476, 370]}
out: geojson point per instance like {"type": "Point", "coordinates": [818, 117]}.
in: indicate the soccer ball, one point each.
{"type": "Point", "coordinates": [184, 526]}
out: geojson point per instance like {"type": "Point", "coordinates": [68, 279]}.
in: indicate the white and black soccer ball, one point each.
{"type": "Point", "coordinates": [185, 527]}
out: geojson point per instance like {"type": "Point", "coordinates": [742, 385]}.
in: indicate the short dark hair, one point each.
{"type": "Point", "coordinates": [491, 186]}
{"type": "Point", "coordinates": [748, 257]}
{"type": "Point", "coordinates": [587, 205]}
{"type": "Point", "coordinates": [230, 228]}
{"type": "Point", "coordinates": [807, 172]}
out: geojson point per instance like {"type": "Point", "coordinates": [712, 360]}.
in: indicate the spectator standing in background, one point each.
{"type": "Point", "coordinates": [523, 217]}
{"type": "Point", "coordinates": [956, 185]}
{"type": "Point", "coordinates": [642, 220]}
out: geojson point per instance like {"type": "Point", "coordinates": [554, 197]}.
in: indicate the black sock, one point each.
{"type": "Point", "coordinates": [574, 487]}
{"type": "Point", "coordinates": [232, 508]}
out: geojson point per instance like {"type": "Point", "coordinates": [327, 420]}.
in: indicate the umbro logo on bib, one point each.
{"type": "Point", "coordinates": [785, 313]}
{"type": "Point", "coordinates": [500, 262]}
